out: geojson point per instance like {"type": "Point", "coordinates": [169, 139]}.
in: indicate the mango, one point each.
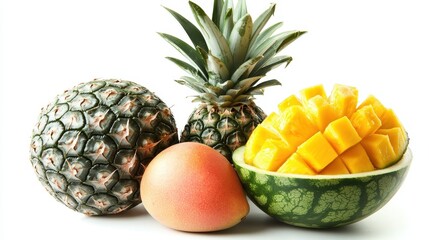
{"type": "Point", "coordinates": [292, 100]}
{"type": "Point", "coordinates": [272, 155]}
{"type": "Point", "coordinates": [317, 152]}
{"type": "Point", "coordinates": [335, 167]}
{"type": "Point", "coordinates": [390, 120]}
{"type": "Point", "coordinates": [296, 164]}
{"type": "Point", "coordinates": [344, 99]}
{"type": "Point", "coordinates": [312, 133]}
{"type": "Point", "coordinates": [255, 142]}
{"type": "Point", "coordinates": [365, 121]}
{"type": "Point", "coordinates": [294, 125]}
{"type": "Point", "coordinates": [378, 107]}
{"type": "Point", "coordinates": [341, 134]}
{"type": "Point", "coordinates": [192, 187]}
{"type": "Point", "coordinates": [356, 159]}
{"type": "Point", "coordinates": [397, 138]}
{"type": "Point", "coordinates": [308, 93]}
{"type": "Point", "coordinates": [379, 150]}
{"type": "Point", "coordinates": [320, 112]}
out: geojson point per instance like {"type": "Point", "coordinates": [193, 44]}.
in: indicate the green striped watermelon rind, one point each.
{"type": "Point", "coordinates": [321, 201]}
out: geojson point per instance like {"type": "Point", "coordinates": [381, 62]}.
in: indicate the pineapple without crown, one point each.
{"type": "Point", "coordinates": [231, 54]}
{"type": "Point", "coordinates": [91, 145]}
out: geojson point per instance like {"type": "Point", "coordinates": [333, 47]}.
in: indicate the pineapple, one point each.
{"type": "Point", "coordinates": [230, 56]}
{"type": "Point", "coordinates": [92, 143]}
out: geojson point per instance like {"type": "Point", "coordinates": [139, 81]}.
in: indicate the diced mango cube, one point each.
{"type": "Point", "coordinates": [296, 164]}
{"type": "Point", "coordinates": [317, 90]}
{"type": "Point", "coordinates": [335, 167]}
{"type": "Point", "coordinates": [365, 121]}
{"type": "Point", "coordinates": [344, 99]}
{"type": "Point", "coordinates": [397, 138]}
{"type": "Point", "coordinates": [317, 152]}
{"type": "Point", "coordinates": [376, 105]}
{"type": "Point", "coordinates": [320, 111]}
{"type": "Point", "coordinates": [341, 134]}
{"type": "Point", "coordinates": [357, 160]}
{"type": "Point", "coordinates": [270, 121]}
{"type": "Point", "coordinates": [294, 126]}
{"type": "Point", "coordinates": [272, 155]}
{"type": "Point", "coordinates": [289, 101]}
{"type": "Point", "coordinates": [255, 142]}
{"type": "Point", "coordinates": [390, 120]}
{"type": "Point", "coordinates": [379, 150]}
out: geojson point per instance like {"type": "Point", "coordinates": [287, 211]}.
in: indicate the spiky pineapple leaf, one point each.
{"type": "Point", "coordinates": [217, 70]}
{"type": "Point", "coordinates": [245, 68]}
{"type": "Point", "coordinates": [276, 43]}
{"type": "Point", "coordinates": [226, 85]}
{"type": "Point", "coordinates": [245, 84]}
{"type": "Point", "coordinates": [186, 50]}
{"type": "Point", "coordinates": [263, 37]}
{"type": "Point", "coordinates": [188, 68]}
{"type": "Point", "coordinates": [292, 36]}
{"type": "Point", "coordinates": [261, 21]}
{"type": "Point", "coordinates": [271, 43]}
{"type": "Point", "coordinates": [259, 88]}
{"type": "Point", "coordinates": [240, 10]}
{"type": "Point", "coordinates": [242, 99]}
{"type": "Point", "coordinates": [192, 83]}
{"type": "Point", "coordinates": [193, 32]}
{"type": "Point", "coordinates": [240, 38]}
{"type": "Point", "coordinates": [217, 12]}
{"type": "Point", "coordinates": [228, 24]}
{"type": "Point", "coordinates": [205, 97]}
{"type": "Point", "coordinates": [225, 13]}
{"type": "Point", "coordinates": [216, 42]}
{"type": "Point", "coordinates": [272, 63]}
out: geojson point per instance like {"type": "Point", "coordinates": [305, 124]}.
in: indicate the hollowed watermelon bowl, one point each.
{"type": "Point", "coordinates": [321, 201]}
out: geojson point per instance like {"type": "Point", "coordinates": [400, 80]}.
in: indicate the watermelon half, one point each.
{"type": "Point", "coordinates": [320, 201]}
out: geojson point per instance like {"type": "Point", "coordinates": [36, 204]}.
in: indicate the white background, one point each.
{"type": "Point", "coordinates": [48, 46]}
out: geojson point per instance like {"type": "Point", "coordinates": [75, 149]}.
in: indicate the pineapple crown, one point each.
{"type": "Point", "coordinates": [231, 52]}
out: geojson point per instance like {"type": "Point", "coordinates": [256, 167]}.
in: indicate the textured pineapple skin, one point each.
{"type": "Point", "coordinates": [91, 145]}
{"type": "Point", "coordinates": [224, 129]}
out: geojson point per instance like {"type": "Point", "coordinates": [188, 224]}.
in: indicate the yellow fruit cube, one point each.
{"type": "Point", "coordinates": [365, 121]}
{"type": "Point", "coordinates": [397, 138]}
{"type": "Point", "coordinates": [390, 120]}
{"type": "Point", "coordinates": [317, 90]}
{"type": "Point", "coordinates": [320, 111]}
{"type": "Point", "coordinates": [317, 152]}
{"type": "Point", "coordinates": [271, 121]}
{"type": "Point", "coordinates": [335, 167]}
{"type": "Point", "coordinates": [289, 101]}
{"type": "Point", "coordinates": [357, 160]}
{"type": "Point", "coordinates": [376, 105]}
{"type": "Point", "coordinates": [296, 164]}
{"type": "Point", "coordinates": [294, 126]}
{"type": "Point", "coordinates": [344, 99]}
{"type": "Point", "coordinates": [341, 134]}
{"type": "Point", "coordinates": [272, 155]}
{"type": "Point", "coordinates": [379, 150]}
{"type": "Point", "coordinates": [255, 142]}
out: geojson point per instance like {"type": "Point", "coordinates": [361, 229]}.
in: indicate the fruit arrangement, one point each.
{"type": "Point", "coordinates": [231, 54]}
{"type": "Point", "coordinates": [320, 161]}
{"type": "Point", "coordinates": [320, 134]}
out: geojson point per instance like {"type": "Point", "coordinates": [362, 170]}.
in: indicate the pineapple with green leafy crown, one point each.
{"type": "Point", "coordinates": [91, 145]}
{"type": "Point", "coordinates": [230, 56]}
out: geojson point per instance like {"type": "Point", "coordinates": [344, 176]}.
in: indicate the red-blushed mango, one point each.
{"type": "Point", "coordinates": [192, 187]}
